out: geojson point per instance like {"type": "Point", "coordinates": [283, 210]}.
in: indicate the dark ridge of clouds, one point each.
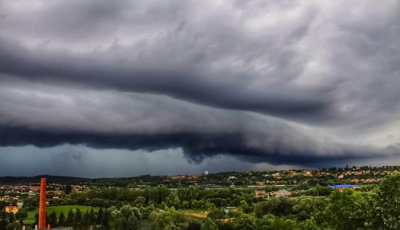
{"type": "Point", "coordinates": [196, 147]}
{"type": "Point", "coordinates": [48, 116]}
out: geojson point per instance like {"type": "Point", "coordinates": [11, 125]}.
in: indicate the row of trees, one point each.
{"type": "Point", "coordinates": [127, 217]}
{"type": "Point", "coordinates": [195, 197]}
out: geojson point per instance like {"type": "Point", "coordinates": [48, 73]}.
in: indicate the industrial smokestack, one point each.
{"type": "Point", "coordinates": [42, 205]}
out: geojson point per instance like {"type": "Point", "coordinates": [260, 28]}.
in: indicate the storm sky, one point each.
{"type": "Point", "coordinates": [97, 88]}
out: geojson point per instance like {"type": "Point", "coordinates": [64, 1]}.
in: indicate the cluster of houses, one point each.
{"type": "Point", "coordinates": [17, 192]}
{"type": "Point", "coordinates": [280, 193]}
{"type": "Point", "coordinates": [12, 193]}
{"type": "Point", "coordinates": [302, 176]}
{"type": "Point", "coordinates": [182, 177]}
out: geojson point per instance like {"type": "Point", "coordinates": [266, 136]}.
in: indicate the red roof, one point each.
{"type": "Point", "coordinates": [12, 207]}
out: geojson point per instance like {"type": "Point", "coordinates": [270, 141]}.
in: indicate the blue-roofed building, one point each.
{"type": "Point", "coordinates": [343, 186]}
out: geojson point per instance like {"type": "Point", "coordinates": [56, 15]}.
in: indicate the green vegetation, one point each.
{"type": "Point", "coordinates": [60, 209]}
{"type": "Point", "coordinates": [304, 206]}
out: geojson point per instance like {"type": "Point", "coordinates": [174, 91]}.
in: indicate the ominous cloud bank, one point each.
{"type": "Point", "coordinates": [279, 81]}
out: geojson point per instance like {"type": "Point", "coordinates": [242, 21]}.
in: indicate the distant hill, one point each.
{"type": "Point", "coordinates": [36, 179]}
{"type": "Point", "coordinates": [149, 180]}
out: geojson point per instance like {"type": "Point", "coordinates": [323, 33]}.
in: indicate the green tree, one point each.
{"type": "Point", "coordinates": [61, 220]}
{"type": "Point", "coordinates": [194, 225]}
{"type": "Point", "coordinates": [99, 216]}
{"type": "Point", "coordinates": [177, 202]}
{"type": "Point", "coordinates": [68, 189]}
{"type": "Point", "coordinates": [84, 224]}
{"type": "Point", "coordinates": [11, 217]}
{"type": "Point", "coordinates": [21, 215]}
{"type": "Point", "coordinates": [70, 218]}
{"type": "Point", "coordinates": [105, 221]}
{"type": "Point", "coordinates": [36, 219]}
{"type": "Point", "coordinates": [344, 210]}
{"type": "Point", "coordinates": [244, 207]}
{"type": "Point", "coordinates": [283, 224]}
{"type": "Point", "coordinates": [208, 224]}
{"type": "Point", "coordinates": [3, 220]}
{"type": "Point", "coordinates": [140, 201]}
{"type": "Point", "coordinates": [92, 215]}
{"type": "Point", "coordinates": [216, 214]}
{"type": "Point", "coordinates": [14, 226]}
{"type": "Point", "coordinates": [386, 204]}
{"type": "Point", "coordinates": [53, 219]}
{"type": "Point", "coordinates": [78, 217]}
{"type": "Point", "coordinates": [133, 223]}
{"type": "Point", "coordinates": [169, 219]}
{"type": "Point", "coordinates": [185, 204]}
{"type": "Point", "coordinates": [244, 222]}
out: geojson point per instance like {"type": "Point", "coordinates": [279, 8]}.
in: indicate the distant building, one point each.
{"type": "Point", "coordinates": [259, 193]}
{"type": "Point", "coordinates": [282, 192]}
{"type": "Point", "coordinates": [340, 187]}
{"type": "Point", "coordinates": [308, 173]}
{"type": "Point", "coordinates": [259, 183]}
{"type": "Point", "coordinates": [232, 178]}
{"type": "Point", "coordinates": [12, 209]}
{"type": "Point", "coordinates": [206, 173]}
{"type": "Point", "coordinates": [275, 175]}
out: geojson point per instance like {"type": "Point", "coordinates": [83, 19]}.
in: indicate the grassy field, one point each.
{"type": "Point", "coordinates": [65, 209]}
{"type": "Point", "coordinates": [58, 209]}
{"type": "Point", "coordinates": [195, 213]}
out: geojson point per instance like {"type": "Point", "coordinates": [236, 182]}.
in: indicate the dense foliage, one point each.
{"type": "Point", "coordinates": [200, 208]}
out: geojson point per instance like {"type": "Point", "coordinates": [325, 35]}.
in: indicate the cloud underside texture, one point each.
{"type": "Point", "coordinates": [277, 82]}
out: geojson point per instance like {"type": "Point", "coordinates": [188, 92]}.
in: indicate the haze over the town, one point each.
{"type": "Point", "coordinates": [122, 88]}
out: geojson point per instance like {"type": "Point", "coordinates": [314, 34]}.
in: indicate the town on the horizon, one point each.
{"type": "Point", "coordinates": [19, 197]}
{"type": "Point", "coordinates": [19, 188]}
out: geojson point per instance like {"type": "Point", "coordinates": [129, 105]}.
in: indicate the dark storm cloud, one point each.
{"type": "Point", "coordinates": [48, 116]}
{"type": "Point", "coordinates": [180, 56]}
{"type": "Point", "coordinates": [276, 81]}
{"type": "Point", "coordinates": [196, 147]}
{"type": "Point", "coordinates": [300, 61]}
{"type": "Point", "coordinates": [185, 79]}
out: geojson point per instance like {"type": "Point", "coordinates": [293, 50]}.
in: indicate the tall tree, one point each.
{"type": "Point", "coordinates": [84, 223]}
{"type": "Point", "coordinates": [61, 220]}
{"type": "Point", "coordinates": [53, 220]}
{"type": "Point", "coordinates": [70, 219]}
{"type": "Point", "coordinates": [105, 221]}
{"type": "Point", "coordinates": [92, 215]}
{"type": "Point", "coordinates": [208, 224]}
{"type": "Point", "coordinates": [68, 189]}
{"type": "Point", "coordinates": [133, 223]}
{"type": "Point", "coordinates": [244, 222]}
{"type": "Point", "coordinates": [78, 217]}
{"type": "Point", "coordinates": [3, 220]}
{"type": "Point", "coordinates": [99, 216]}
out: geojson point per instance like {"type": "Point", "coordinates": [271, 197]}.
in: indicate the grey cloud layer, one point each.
{"type": "Point", "coordinates": [49, 115]}
{"type": "Point", "coordinates": [256, 78]}
{"type": "Point", "coordinates": [283, 58]}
